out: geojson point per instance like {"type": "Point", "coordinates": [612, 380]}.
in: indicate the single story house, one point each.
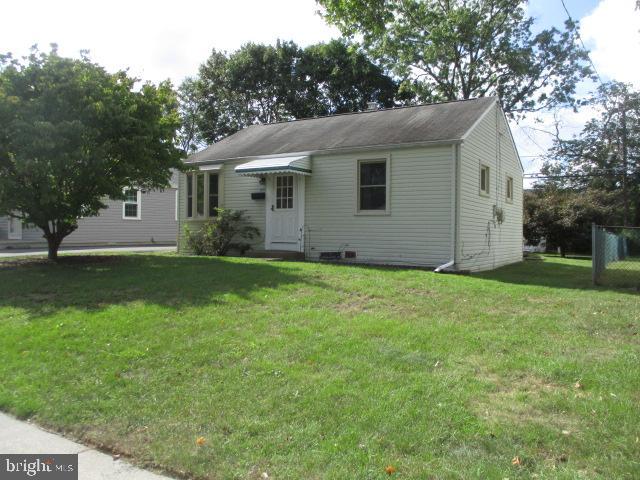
{"type": "Point", "coordinates": [142, 218]}
{"type": "Point", "coordinates": [435, 185]}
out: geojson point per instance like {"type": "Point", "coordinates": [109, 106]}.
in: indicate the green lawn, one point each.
{"type": "Point", "coordinates": [309, 371]}
{"type": "Point", "coordinates": [623, 273]}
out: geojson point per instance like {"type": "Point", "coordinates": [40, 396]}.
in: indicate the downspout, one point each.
{"type": "Point", "coordinates": [454, 209]}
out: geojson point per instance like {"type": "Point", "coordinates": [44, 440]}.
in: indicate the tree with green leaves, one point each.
{"type": "Point", "coordinates": [189, 138]}
{"type": "Point", "coordinates": [563, 216]}
{"type": "Point", "coordinates": [72, 134]}
{"type": "Point", "coordinates": [605, 156]}
{"type": "Point", "coordinates": [265, 83]}
{"type": "Point", "coordinates": [460, 49]}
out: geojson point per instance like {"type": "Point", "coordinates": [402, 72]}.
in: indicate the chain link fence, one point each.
{"type": "Point", "coordinates": [616, 256]}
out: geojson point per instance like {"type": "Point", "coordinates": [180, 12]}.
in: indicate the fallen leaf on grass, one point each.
{"type": "Point", "coordinates": [390, 469]}
{"type": "Point", "coordinates": [200, 441]}
{"type": "Point", "coordinates": [516, 461]}
{"type": "Point", "coordinates": [578, 385]}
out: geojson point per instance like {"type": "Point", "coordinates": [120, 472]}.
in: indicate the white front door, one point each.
{"type": "Point", "coordinates": [15, 229]}
{"type": "Point", "coordinates": [283, 209]}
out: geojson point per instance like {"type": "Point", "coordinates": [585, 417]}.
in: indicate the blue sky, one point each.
{"type": "Point", "coordinates": [550, 12]}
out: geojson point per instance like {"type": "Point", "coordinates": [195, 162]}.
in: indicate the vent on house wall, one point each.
{"type": "Point", "coordinates": [330, 255]}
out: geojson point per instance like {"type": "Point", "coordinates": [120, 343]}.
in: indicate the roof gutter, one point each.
{"type": "Point", "coordinates": [330, 151]}
{"type": "Point", "coordinates": [455, 167]}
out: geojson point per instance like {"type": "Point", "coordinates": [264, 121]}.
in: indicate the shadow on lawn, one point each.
{"type": "Point", "coordinates": [571, 272]}
{"type": "Point", "coordinates": [171, 281]}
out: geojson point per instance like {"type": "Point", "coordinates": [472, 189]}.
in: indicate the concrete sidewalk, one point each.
{"type": "Point", "coordinates": [25, 438]}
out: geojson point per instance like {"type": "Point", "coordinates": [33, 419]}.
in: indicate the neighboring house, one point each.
{"type": "Point", "coordinates": [541, 247]}
{"type": "Point", "coordinates": [149, 217]}
{"type": "Point", "coordinates": [432, 185]}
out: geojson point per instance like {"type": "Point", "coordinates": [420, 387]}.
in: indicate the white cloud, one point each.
{"type": "Point", "coordinates": [157, 39]}
{"type": "Point", "coordinates": [612, 31]}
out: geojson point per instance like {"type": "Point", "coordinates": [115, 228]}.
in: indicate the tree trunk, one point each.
{"type": "Point", "coordinates": [54, 244]}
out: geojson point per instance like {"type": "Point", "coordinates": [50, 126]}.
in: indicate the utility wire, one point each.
{"type": "Point", "coordinates": [582, 43]}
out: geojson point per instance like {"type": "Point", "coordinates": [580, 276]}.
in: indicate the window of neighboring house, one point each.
{"type": "Point", "coordinates": [131, 204]}
{"type": "Point", "coordinates": [510, 189]}
{"type": "Point", "coordinates": [213, 194]}
{"type": "Point", "coordinates": [373, 188]}
{"type": "Point", "coordinates": [176, 206]}
{"type": "Point", "coordinates": [189, 195]}
{"type": "Point", "coordinates": [200, 194]}
{"type": "Point", "coordinates": [484, 180]}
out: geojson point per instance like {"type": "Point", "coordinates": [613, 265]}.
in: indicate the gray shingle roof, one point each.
{"type": "Point", "coordinates": [395, 126]}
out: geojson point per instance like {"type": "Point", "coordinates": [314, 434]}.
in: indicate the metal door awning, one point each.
{"type": "Point", "coordinates": [300, 165]}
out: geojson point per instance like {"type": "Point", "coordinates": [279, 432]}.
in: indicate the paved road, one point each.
{"type": "Point", "coordinates": [14, 252]}
{"type": "Point", "coordinates": [25, 438]}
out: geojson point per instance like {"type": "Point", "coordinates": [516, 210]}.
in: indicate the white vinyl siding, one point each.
{"type": "Point", "coordinates": [157, 225]}
{"type": "Point", "coordinates": [416, 230]}
{"type": "Point", "coordinates": [483, 243]}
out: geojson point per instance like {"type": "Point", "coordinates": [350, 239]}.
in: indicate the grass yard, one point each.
{"type": "Point", "coordinates": [314, 371]}
{"type": "Point", "coordinates": [623, 273]}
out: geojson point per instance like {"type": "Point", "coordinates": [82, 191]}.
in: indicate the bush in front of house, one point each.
{"type": "Point", "coordinates": [228, 230]}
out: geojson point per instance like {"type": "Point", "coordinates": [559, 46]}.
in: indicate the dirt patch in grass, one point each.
{"type": "Point", "coordinates": [355, 303]}
{"type": "Point", "coordinates": [522, 399]}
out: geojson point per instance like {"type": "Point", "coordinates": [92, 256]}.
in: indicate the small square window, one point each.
{"type": "Point", "coordinates": [509, 189]}
{"type": "Point", "coordinates": [130, 210]}
{"type": "Point", "coordinates": [484, 180]}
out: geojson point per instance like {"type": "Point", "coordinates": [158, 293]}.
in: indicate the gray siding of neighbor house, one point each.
{"type": "Point", "coordinates": [235, 193]}
{"type": "Point", "coordinates": [482, 243]}
{"type": "Point", "coordinates": [417, 231]}
{"type": "Point", "coordinates": [157, 224]}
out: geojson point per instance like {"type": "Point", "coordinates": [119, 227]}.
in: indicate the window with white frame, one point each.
{"type": "Point", "coordinates": [484, 180]}
{"type": "Point", "coordinates": [131, 205]}
{"type": "Point", "coordinates": [200, 195]}
{"type": "Point", "coordinates": [509, 189]}
{"type": "Point", "coordinates": [203, 194]}
{"type": "Point", "coordinates": [189, 195]}
{"type": "Point", "coordinates": [373, 185]}
{"type": "Point", "coordinates": [213, 194]}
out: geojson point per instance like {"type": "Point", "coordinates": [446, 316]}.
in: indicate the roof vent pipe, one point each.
{"type": "Point", "coordinates": [372, 106]}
